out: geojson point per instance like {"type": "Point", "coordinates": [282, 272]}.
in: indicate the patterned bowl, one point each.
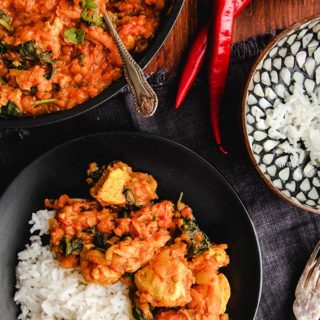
{"type": "Point", "coordinates": [292, 59]}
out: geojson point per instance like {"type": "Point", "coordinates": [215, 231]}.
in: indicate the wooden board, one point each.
{"type": "Point", "coordinates": [259, 17]}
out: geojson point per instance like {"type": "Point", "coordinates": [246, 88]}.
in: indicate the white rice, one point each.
{"type": "Point", "coordinates": [297, 120]}
{"type": "Point", "coordinates": [45, 291]}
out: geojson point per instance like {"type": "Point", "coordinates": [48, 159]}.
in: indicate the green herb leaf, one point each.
{"type": "Point", "coordinates": [92, 19]}
{"type": "Point", "coordinates": [37, 103]}
{"type": "Point", "coordinates": [10, 110]}
{"type": "Point", "coordinates": [89, 4]}
{"type": "Point", "coordinates": [115, 19]}
{"type": "Point", "coordinates": [5, 21]}
{"type": "Point", "coordinates": [75, 36]}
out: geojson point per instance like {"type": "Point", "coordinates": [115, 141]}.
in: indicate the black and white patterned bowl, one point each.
{"type": "Point", "coordinates": [293, 56]}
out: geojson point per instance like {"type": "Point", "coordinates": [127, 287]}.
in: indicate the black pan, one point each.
{"type": "Point", "coordinates": [168, 19]}
{"type": "Point", "coordinates": [216, 206]}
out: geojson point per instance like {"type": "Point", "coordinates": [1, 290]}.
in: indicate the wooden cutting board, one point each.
{"type": "Point", "coordinates": [259, 17]}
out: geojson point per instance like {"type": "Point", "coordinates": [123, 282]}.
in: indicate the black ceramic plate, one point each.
{"type": "Point", "coordinates": [168, 19]}
{"type": "Point", "coordinates": [216, 206]}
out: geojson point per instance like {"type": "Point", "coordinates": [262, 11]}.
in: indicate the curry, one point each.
{"type": "Point", "coordinates": [56, 54]}
{"type": "Point", "coordinates": [155, 246]}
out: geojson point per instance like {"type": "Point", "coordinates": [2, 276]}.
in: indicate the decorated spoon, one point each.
{"type": "Point", "coordinates": [144, 97]}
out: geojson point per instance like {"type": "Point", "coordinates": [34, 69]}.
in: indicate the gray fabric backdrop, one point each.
{"type": "Point", "coordinates": [287, 234]}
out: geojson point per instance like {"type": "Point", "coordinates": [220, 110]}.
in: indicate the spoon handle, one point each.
{"type": "Point", "coordinates": [144, 97]}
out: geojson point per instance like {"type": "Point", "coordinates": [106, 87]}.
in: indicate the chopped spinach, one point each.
{"type": "Point", "coordinates": [48, 75]}
{"type": "Point", "coordinates": [56, 87]}
{"type": "Point", "coordinates": [195, 247]}
{"type": "Point", "coordinates": [128, 193]}
{"type": "Point", "coordinates": [3, 48]}
{"type": "Point", "coordinates": [70, 246]}
{"type": "Point", "coordinates": [10, 110]}
{"type": "Point", "coordinates": [33, 90]}
{"type": "Point", "coordinates": [100, 240]}
{"type": "Point", "coordinates": [136, 312]}
{"type": "Point", "coordinates": [80, 58]}
{"type": "Point", "coordinates": [95, 175]}
{"type": "Point", "coordinates": [75, 36]}
{"type": "Point", "coordinates": [5, 21]}
{"type": "Point", "coordinates": [124, 214]}
{"type": "Point", "coordinates": [30, 51]}
{"type": "Point", "coordinates": [16, 64]}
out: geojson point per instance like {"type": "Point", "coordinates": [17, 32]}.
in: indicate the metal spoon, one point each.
{"type": "Point", "coordinates": [144, 98]}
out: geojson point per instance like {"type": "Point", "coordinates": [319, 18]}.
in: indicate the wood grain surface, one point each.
{"type": "Point", "coordinates": [259, 17]}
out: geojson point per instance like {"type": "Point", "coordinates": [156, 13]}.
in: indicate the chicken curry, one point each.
{"type": "Point", "coordinates": [56, 54]}
{"type": "Point", "coordinates": [155, 246]}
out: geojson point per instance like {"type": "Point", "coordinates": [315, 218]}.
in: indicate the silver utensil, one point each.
{"type": "Point", "coordinates": [144, 97]}
{"type": "Point", "coordinates": [307, 303]}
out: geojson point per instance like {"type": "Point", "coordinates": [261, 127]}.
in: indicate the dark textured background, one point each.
{"type": "Point", "coordinates": [287, 234]}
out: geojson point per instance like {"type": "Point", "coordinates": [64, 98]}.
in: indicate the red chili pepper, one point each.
{"type": "Point", "coordinates": [193, 64]}
{"type": "Point", "coordinates": [219, 60]}
{"type": "Point", "coordinates": [240, 5]}
{"type": "Point", "coordinates": [196, 58]}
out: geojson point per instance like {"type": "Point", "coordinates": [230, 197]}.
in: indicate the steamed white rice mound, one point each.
{"type": "Point", "coordinates": [297, 120]}
{"type": "Point", "coordinates": [45, 291]}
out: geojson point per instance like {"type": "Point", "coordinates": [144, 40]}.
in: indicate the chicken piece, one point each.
{"type": "Point", "coordinates": [142, 188]}
{"type": "Point", "coordinates": [94, 267]}
{"type": "Point", "coordinates": [166, 281]}
{"type": "Point", "coordinates": [130, 255]}
{"type": "Point", "coordinates": [206, 301]}
{"type": "Point", "coordinates": [205, 267]}
{"type": "Point", "coordinates": [212, 291]}
{"type": "Point", "coordinates": [225, 292]}
{"type": "Point", "coordinates": [126, 256]}
{"type": "Point", "coordinates": [119, 186]}
{"type": "Point", "coordinates": [173, 315]}
{"type": "Point", "coordinates": [109, 190]}
{"type": "Point", "coordinates": [151, 218]}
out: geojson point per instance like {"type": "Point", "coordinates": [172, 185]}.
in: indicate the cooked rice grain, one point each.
{"type": "Point", "coordinates": [296, 125]}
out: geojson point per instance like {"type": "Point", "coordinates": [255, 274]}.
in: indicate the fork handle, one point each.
{"type": "Point", "coordinates": [144, 98]}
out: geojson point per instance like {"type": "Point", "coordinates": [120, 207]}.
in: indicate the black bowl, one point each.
{"type": "Point", "coordinates": [168, 19]}
{"type": "Point", "coordinates": [216, 206]}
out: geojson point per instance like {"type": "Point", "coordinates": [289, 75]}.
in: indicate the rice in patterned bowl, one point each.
{"type": "Point", "coordinates": [281, 115]}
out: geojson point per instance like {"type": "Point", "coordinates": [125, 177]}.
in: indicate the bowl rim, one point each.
{"type": "Point", "coordinates": [179, 146]}
{"type": "Point", "coordinates": [260, 58]}
{"type": "Point", "coordinates": [172, 15]}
